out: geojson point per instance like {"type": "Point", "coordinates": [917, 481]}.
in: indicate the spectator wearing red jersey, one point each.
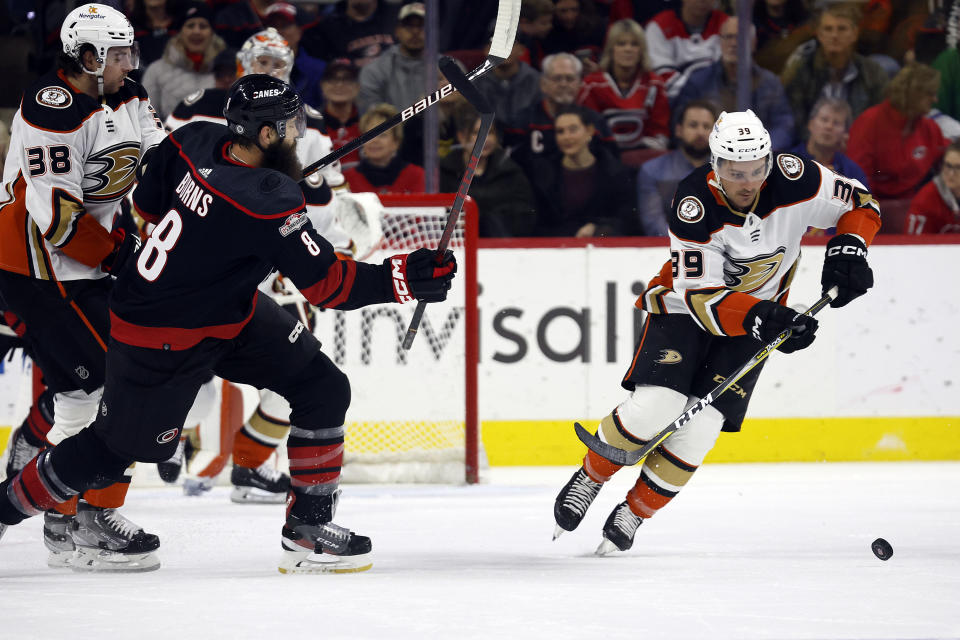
{"type": "Point", "coordinates": [631, 98]}
{"type": "Point", "coordinates": [381, 169]}
{"type": "Point", "coordinates": [676, 39]}
{"type": "Point", "coordinates": [894, 142]}
{"type": "Point", "coordinates": [935, 209]}
{"type": "Point", "coordinates": [341, 86]}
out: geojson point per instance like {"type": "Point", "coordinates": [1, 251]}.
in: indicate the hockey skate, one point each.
{"type": "Point", "coordinates": [313, 544]}
{"type": "Point", "coordinates": [169, 470]}
{"type": "Point", "coordinates": [107, 541]}
{"type": "Point", "coordinates": [57, 539]}
{"type": "Point", "coordinates": [619, 529]}
{"type": "Point", "coordinates": [265, 484]}
{"type": "Point", "coordinates": [573, 501]}
{"type": "Point", "coordinates": [19, 452]}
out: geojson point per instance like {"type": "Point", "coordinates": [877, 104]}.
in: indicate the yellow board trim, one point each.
{"type": "Point", "coordinates": [531, 442]}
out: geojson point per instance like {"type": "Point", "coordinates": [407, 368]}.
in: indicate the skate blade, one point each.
{"type": "Point", "coordinates": [558, 531]}
{"type": "Point", "coordinates": [606, 548]}
{"type": "Point", "coordinates": [60, 559]}
{"type": "Point", "coordinates": [294, 562]}
{"type": "Point", "coordinates": [89, 560]}
{"type": "Point", "coordinates": [252, 495]}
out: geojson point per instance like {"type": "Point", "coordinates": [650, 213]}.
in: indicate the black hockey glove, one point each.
{"type": "Point", "coordinates": [418, 276]}
{"type": "Point", "coordinates": [845, 266]}
{"type": "Point", "coordinates": [767, 319]}
{"type": "Point", "coordinates": [125, 248]}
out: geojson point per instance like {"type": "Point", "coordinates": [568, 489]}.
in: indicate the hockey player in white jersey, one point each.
{"type": "Point", "coordinates": [78, 142]}
{"type": "Point", "coordinates": [734, 249]}
{"type": "Point", "coordinates": [350, 222]}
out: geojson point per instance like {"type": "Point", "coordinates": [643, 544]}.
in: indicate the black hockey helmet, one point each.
{"type": "Point", "coordinates": [257, 100]}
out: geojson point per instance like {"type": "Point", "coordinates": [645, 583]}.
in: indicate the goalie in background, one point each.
{"type": "Point", "coordinates": [735, 234]}
{"type": "Point", "coordinates": [350, 222]}
{"type": "Point", "coordinates": [227, 212]}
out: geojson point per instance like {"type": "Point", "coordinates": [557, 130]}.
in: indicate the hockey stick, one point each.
{"type": "Point", "coordinates": [629, 458]}
{"type": "Point", "coordinates": [474, 97]}
{"type": "Point", "coordinates": [501, 44]}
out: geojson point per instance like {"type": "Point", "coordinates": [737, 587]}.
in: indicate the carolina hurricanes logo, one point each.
{"type": "Point", "coordinates": [114, 170]}
{"type": "Point", "coordinates": [749, 274]}
{"type": "Point", "coordinates": [167, 436]}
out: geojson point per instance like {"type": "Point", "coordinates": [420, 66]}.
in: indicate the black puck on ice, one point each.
{"type": "Point", "coordinates": [881, 549]}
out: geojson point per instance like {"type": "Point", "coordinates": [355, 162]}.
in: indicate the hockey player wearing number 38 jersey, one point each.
{"type": "Point", "coordinates": [734, 249]}
{"type": "Point", "coordinates": [227, 212]}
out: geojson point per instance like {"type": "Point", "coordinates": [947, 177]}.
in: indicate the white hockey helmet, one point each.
{"type": "Point", "coordinates": [99, 26]}
{"type": "Point", "coordinates": [270, 44]}
{"type": "Point", "coordinates": [740, 136]}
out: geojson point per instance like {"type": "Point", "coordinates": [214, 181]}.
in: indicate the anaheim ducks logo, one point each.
{"type": "Point", "coordinates": [746, 275]}
{"type": "Point", "coordinates": [790, 165]}
{"type": "Point", "coordinates": [669, 356]}
{"type": "Point", "coordinates": [114, 170]}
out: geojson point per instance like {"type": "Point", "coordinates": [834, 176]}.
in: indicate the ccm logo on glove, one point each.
{"type": "Point", "coordinates": [400, 290]}
{"type": "Point", "coordinates": [847, 250]}
{"type": "Point", "coordinates": [420, 276]}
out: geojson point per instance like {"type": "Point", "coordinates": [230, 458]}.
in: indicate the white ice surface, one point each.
{"type": "Point", "coordinates": [745, 551]}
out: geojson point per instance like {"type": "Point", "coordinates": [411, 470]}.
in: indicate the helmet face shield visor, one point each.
{"type": "Point", "coordinates": [743, 171]}
{"type": "Point", "coordinates": [294, 126]}
{"type": "Point", "coordinates": [125, 57]}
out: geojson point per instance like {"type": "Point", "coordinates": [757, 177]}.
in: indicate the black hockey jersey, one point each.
{"type": "Point", "coordinates": [221, 228]}
{"type": "Point", "coordinates": [723, 260]}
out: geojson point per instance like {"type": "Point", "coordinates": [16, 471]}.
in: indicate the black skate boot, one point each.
{"type": "Point", "coordinates": [169, 470]}
{"type": "Point", "coordinates": [313, 544]}
{"type": "Point", "coordinates": [57, 539]}
{"type": "Point", "coordinates": [20, 450]}
{"type": "Point", "coordinates": [265, 484]}
{"type": "Point", "coordinates": [107, 541]}
{"type": "Point", "coordinates": [573, 501]}
{"type": "Point", "coordinates": [619, 529]}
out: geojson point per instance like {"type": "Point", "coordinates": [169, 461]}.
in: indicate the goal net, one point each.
{"type": "Point", "coordinates": [412, 416]}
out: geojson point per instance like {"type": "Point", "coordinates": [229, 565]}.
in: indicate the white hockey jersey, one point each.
{"type": "Point", "coordinates": [71, 162]}
{"type": "Point", "coordinates": [723, 261]}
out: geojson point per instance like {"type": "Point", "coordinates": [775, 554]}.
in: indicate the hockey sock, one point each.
{"type": "Point", "coordinates": [599, 468]}
{"type": "Point", "coordinates": [113, 496]}
{"type": "Point", "coordinates": [315, 459]}
{"type": "Point", "coordinates": [39, 421]}
{"type": "Point", "coordinates": [661, 478]}
{"type": "Point", "coordinates": [68, 508]}
{"type": "Point", "coordinates": [258, 439]}
{"type": "Point", "coordinates": [32, 491]}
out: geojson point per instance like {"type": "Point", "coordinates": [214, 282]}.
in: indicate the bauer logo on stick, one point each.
{"type": "Point", "coordinates": [690, 209]}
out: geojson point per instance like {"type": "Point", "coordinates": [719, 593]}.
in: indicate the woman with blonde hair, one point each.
{"type": "Point", "coordinates": [381, 168]}
{"type": "Point", "coordinates": [895, 143]}
{"type": "Point", "coordinates": [631, 98]}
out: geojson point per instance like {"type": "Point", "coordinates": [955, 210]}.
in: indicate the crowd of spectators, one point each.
{"type": "Point", "coordinates": [603, 105]}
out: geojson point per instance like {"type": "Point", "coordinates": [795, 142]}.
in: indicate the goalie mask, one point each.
{"type": "Point", "coordinates": [260, 100]}
{"type": "Point", "coordinates": [266, 52]}
{"type": "Point", "coordinates": [737, 137]}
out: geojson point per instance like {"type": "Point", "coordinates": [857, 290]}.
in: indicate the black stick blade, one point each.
{"type": "Point", "coordinates": [610, 452]}
{"type": "Point", "coordinates": [456, 77]}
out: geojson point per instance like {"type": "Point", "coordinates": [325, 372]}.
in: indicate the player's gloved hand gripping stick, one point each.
{"type": "Point", "coordinates": [481, 104]}
{"type": "Point", "coordinates": [629, 458]}
{"type": "Point", "coordinates": [501, 44]}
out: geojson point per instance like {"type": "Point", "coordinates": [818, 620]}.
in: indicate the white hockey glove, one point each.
{"type": "Point", "coordinates": [358, 214]}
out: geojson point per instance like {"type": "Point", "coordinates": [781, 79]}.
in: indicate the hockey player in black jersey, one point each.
{"type": "Point", "coordinates": [225, 218]}
{"type": "Point", "coordinates": [734, 250]}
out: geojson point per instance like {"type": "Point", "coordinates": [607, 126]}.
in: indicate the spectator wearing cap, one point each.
{"type": "Point", "coordinates": [341, 86]}
{"type": "Point", "coordinates": [238, 21]}
{"type": "Point", "coordinates": [828, 125]}
{"type": "Point", "coordinates": [398, 76]}
{"type": "Point", "coordinates": [307, 70]}
{"type": "Point", "coordinates": [717, 82]}
{"type": "Point", "coordinates": [153, 25]}
{"type": "Point", "coordinates": [361, 31]}
{"type": "Point", "coordinates": [512, 86]}
{"type": "Point", "coordinates": [187, 62]}
{"type": "Point", "coordinates": [381, 169]}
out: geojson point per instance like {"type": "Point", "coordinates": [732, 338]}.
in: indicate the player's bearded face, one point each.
{"type": "Point", "coordinates": [281, 155]}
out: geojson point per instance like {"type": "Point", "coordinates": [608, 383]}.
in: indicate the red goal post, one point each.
{"type": "Point", "coordinates": [413, 414]}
